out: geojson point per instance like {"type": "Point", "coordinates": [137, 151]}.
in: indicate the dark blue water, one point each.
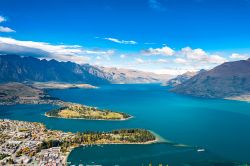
{"type": "Point", "coordinates": [220, 126]}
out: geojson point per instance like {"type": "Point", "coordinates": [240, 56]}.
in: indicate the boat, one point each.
{"type": "Point", "coordinates": [200, 150]}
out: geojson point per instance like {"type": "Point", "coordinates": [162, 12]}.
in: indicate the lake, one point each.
{"type": "Point", "coordinates": [222, 127]}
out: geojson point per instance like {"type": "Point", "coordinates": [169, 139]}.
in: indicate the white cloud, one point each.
{"type": "Point", "coordinates": [167, 51]}
{"type": "Point", "coordinates": [121, 41]}
{"type": "Point", "coordinates": [239, 56]}
{"type": "Point", "coordinates": [6, 29]}
{"type": "Point", "coordinates": [193, 54]}
{"type": "Point", "coordinates": [199, 56]}
{"type": "Point", "coordinates": [2, 19]}
{"type": "Point", "coordinates": [73, 53]}
{"type": "Point", "coordinates": [216, 59]}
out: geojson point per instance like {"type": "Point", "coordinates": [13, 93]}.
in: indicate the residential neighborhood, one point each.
{"type": "Point", "coordinates": [21, 143]}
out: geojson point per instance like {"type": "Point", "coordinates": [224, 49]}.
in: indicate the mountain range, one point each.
{"type": "Point", "coordinates": [230, 79]}
{"type": "Point", "coordinates": [14, 68]}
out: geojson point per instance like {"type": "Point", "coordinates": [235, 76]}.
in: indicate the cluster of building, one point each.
{"type": "Point", "coordinates": [50, 156]}
{"type": "Point", "coordinates": [21, 144]}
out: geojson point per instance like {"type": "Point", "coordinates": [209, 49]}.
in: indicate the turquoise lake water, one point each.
{"type": "Point", "coordinates": [222, 127]}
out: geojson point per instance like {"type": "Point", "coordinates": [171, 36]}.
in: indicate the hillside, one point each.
{"type": "Point", "coordinates": [18, 93]}
{"type": "Point", "coordinates": [230, 79]}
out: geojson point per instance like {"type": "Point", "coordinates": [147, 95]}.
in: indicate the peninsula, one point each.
{"type": "Point", "coordinates": [31, 143]}
{"type": "Point", "coordinates": [58, 85]}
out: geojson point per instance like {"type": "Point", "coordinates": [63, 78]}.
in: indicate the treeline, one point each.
{"type": "Point", "coordinates": [135, 135]}
{"type": "Point", "coordinates": [127, 135]}
{"type": "Point", "coordinates": [55, 112]}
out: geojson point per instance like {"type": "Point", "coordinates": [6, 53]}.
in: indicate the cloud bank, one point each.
{"type": "Point", "coordinates": [74, 53]}
{"type": "Point", "coordinates": [180, 61]}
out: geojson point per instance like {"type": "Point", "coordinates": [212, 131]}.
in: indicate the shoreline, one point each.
{"type": "Point", "coordinates": [157, 140]}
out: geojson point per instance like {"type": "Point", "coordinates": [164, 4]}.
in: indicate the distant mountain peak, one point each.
{"type": "Point", "coordinates": [181, 78]}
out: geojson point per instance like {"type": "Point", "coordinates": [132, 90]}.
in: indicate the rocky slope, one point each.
{"type": "Point", "coordinates": [227, 80]}
{"type": "Point", "coordinates": [18, 69]}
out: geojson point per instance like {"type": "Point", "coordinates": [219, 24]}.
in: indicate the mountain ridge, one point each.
{"type": "Point", "coordinates": [14, 68]}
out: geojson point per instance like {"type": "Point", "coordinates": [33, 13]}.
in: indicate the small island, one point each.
{"type": "Point", "coordinates": [78, 111]}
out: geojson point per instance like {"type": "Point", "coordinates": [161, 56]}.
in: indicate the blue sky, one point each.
{"type": "Point", "coordinates": [163, 36]}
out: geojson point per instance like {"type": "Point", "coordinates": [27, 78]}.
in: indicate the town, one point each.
{"type": "Point", "coordinates": [21, 143]}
